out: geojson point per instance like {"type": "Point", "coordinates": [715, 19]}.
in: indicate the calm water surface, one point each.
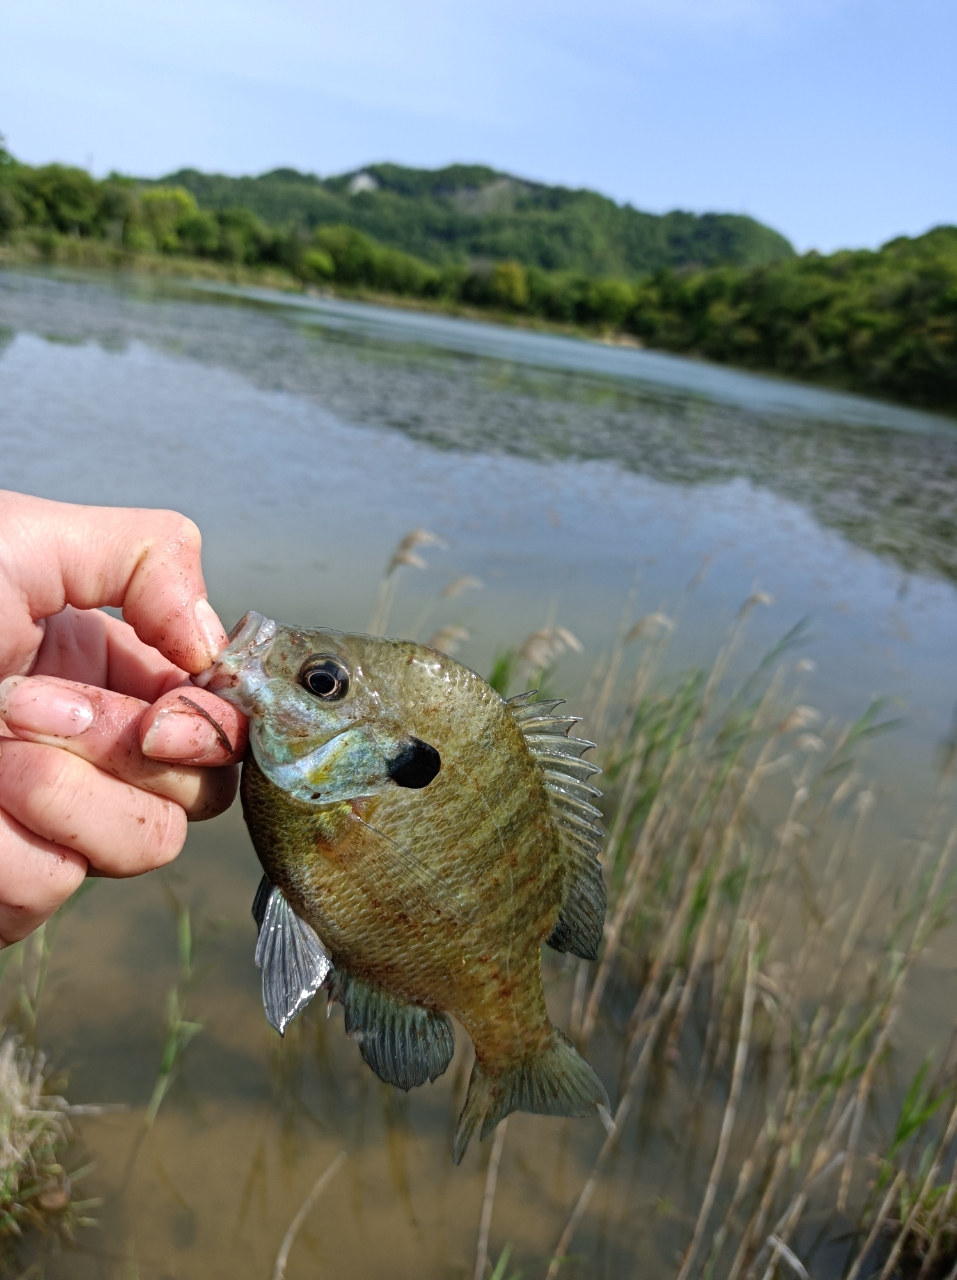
{"type": "Point", "coordinates": [306, 437]}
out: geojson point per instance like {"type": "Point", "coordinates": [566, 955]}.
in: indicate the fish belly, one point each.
{"type": "Point", "coordinates": [469, 945]}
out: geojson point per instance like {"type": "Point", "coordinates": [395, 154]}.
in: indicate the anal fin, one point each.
{"type": "Point", "coordinates": [404, 1044]}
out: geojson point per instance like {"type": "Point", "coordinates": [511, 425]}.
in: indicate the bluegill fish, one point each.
{"type": "Point", "coordinates": [421, 837]}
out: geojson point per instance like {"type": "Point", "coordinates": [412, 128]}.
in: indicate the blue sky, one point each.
{"type": "Point", "coordinates": [833, 120]}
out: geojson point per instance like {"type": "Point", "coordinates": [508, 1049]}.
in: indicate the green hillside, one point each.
{"type": "Point", "coordinates": [882, 321]}
{"type": "Point", "coordinates": [470, 214]}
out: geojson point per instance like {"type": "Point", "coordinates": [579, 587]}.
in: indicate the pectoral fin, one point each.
{"type": "Point", "coordinates": [397, 873]}
{"type": "Point", "coordinates": [293, 961]}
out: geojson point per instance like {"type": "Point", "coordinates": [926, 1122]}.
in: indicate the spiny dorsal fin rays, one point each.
{"type": "Point", "coordinates": [522, 708]}
{"type": "Point", "coordinates": [581, 841]}
{"type": "Point", "coordinates": [560, 783]}
{"type": "Point", "coordinates": [562, 761]}
{"type": "Point", "coordinates": [560, 743]}
{"type": "Point", "coordinates": [518, 700]}
{"type": "Point", "coordinates": [550, 724]}
{"type": "Point", "coordinates": [565, 775]}
{"type": "Point", "coordinates": [572, 803]}
{"type": "Point", "coordinates": [539, 726]}
{"type": "Point", "coordinates": [583, 825]}
{"type": "Point", "coordinates": [569, 836]}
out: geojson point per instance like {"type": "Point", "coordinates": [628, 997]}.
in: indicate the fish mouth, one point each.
{"type": "Point", "coordinates": [416, 764]}
{"type": "Point", "coordinates": [248, 646]}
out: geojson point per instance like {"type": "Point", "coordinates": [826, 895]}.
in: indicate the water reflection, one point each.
{"type": "Point", "coordinates": [854, 463]}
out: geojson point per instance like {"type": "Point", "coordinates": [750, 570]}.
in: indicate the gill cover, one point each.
{"type": "Point", "coordinates": [316, 750]}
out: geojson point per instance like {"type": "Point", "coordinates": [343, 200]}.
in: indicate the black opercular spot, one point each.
{"type": "Point", "coordinates": [416, 764]}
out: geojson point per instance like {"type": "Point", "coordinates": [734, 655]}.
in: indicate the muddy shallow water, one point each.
{"type": "Point", "coordinates": [305, 438]}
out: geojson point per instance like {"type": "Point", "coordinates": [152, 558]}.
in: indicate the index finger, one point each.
{"type": "Point", "coordinates": [53, 554]}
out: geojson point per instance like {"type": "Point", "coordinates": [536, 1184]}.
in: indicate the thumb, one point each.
{"type": "Point", "coordinates": [145, 562]}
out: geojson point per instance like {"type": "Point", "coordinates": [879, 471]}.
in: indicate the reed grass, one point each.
{"type": "Point", "coordinates": [736, 820]}
{"type": "Point", "coordinates": [37, 1190]}
{"type": "Point", "coordinates": [307, 1206]}
{"type": "Point", "coordinates": [734, 837]}
{"type": "Point", "coordinates": [745, 928]}
{"type": "Point", "coordinates": [179, 1030]}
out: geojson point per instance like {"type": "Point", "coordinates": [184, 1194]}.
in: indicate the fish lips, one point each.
{"type": "Point", "coordinates": [416, 764]}
{"type": "Point", "coordinates": [249, 643]}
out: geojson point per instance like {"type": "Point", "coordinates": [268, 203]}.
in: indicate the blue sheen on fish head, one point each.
{"type": "Point", "coordinates": [318, 726]}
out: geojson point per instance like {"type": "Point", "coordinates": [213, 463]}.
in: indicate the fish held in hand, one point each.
{"type": "Point", "coordinates": [421, 837]}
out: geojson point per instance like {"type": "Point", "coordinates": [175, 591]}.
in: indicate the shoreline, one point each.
{"type": "Point", "coordinates": [95, 255]}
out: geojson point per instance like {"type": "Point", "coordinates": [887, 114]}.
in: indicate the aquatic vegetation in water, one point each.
{"type": "Point", "coordinates": [877, 321]}
{"type": "Point", "coordinates": [34, 1188]}
{"type": "Point", "coordinates": [884, 487]}
{"type": "Point", "coordinates": [37, 1191]}
{"type": "Point", "coordinates": [179, 1030]}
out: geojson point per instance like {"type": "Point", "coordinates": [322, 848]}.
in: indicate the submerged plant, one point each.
{"type": "Point", "coordinates": [33, 1133]}
{"type": "Point", "coordinates": [179, 1030]}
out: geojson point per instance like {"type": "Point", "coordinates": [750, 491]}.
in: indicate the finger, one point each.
{"type": "Point", "coordinates": [193, 726]}
{"type": "Point", "coordinates": [119, 829]}
{"type": "Point", "coordinates": [103, 728]}
{"type": "Point", "coordinates": [147, 562]}
{"type": "Point", "coordinates": [36, 877]}
{"type": "Point", "coordinates": [90, 646]}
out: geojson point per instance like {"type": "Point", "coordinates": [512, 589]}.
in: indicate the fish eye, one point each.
{"type": "Point", "coordinates": [327, 678]}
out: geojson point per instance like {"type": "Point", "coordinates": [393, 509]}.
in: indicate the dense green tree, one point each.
{"type": "Point", "coordinates": [509, 286]}
{"type": "Point", "coordinates": [60, 197]}
{"type": "Point", "coordinates": [163, 211]}
{"type": "Point", "coordinates": [882, 321]}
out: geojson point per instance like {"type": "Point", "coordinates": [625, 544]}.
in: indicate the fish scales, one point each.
{"type": "Point", "coordinates": [399, 808]}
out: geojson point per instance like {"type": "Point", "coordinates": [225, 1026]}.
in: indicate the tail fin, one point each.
{"type": "Point", "coordinates": [554, 1081]}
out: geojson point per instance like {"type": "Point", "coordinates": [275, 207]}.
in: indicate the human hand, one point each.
{"type": "Point", "coordinates": [106, 750]}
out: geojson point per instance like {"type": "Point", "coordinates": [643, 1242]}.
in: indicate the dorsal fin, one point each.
{"type": "Point", "coordinates": [570, 796]}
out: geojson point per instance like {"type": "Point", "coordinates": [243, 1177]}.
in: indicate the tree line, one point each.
{"type": "Point", "coordinates": [883, 322]}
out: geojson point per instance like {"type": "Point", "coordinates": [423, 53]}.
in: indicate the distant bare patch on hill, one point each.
{"type": "Point", "coordinates": [470, 213]}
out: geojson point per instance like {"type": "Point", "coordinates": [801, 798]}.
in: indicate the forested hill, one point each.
{"type": "Point", "coordinates": [881, 321]}
{"type": "Point", "coordinates": [469, 214]}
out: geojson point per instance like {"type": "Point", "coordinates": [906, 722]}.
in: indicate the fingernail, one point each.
{"type": "Point", "coordinates": [177, 735]}
{"type": "Point", "coordinates": [36, 706]}
{"type": "Point", "coordinates": [210, 628]}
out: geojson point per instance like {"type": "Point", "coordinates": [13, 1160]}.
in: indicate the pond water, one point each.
{"type": "Point", "coordinates": [306, 437]}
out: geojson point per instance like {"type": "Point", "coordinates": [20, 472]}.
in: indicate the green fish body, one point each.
{"type": "Point", "coordinates": [424, 837]}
